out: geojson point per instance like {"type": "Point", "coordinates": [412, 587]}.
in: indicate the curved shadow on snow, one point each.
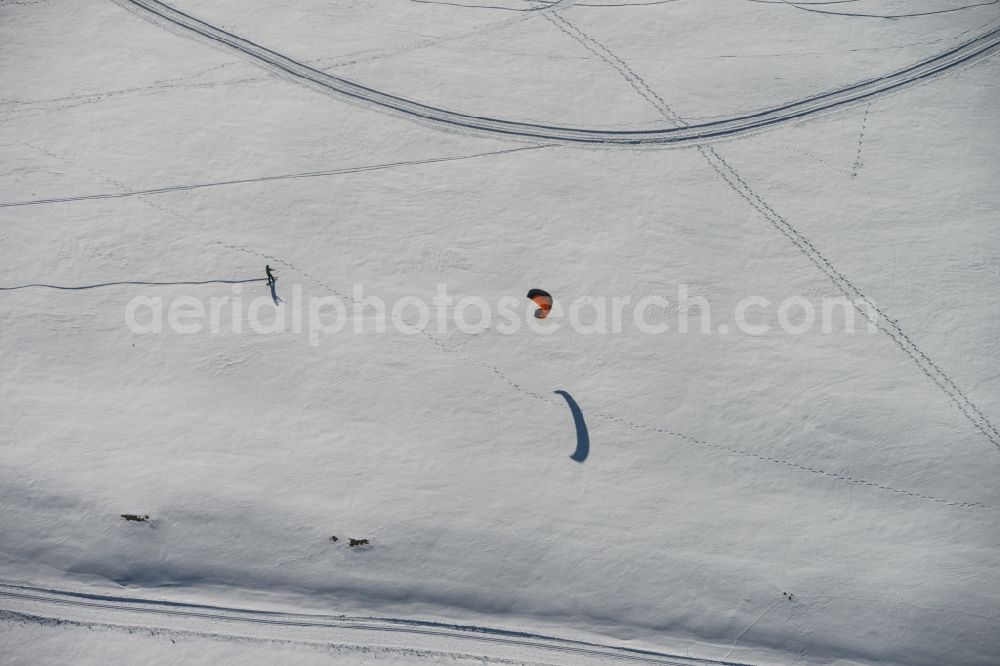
{"type": "Point", "coordinates": [582, 435]}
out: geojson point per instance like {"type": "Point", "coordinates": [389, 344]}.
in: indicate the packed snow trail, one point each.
{"type": "Point", "coordinates": [969, 51]}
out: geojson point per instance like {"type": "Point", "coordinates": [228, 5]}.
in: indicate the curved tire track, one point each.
{"type": "Point", "coordinates": [973, 49]}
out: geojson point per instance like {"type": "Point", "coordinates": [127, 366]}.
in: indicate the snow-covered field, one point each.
{"type": "Point", "coordinates": [772, 498]}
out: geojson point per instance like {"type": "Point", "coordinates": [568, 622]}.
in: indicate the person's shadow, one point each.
{"type": "Point", "coordinates": [274, 294]}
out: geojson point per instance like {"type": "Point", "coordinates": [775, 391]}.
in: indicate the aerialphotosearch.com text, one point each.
{"type": "Point", "coordinates": [316, 317]}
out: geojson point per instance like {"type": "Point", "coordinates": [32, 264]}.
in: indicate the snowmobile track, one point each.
{"type": "Point", "coordinates": [862, 92]}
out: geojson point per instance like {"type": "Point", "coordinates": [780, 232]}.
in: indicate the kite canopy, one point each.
{"type": "Point", "coordinates": [543, 300]}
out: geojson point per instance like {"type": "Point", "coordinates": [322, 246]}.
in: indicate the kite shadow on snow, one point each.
{"type": "Point", "coordinates": [582, 436]}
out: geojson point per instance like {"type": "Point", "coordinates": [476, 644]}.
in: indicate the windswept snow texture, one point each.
{"type": "Point", "coordinates": [814, 498]}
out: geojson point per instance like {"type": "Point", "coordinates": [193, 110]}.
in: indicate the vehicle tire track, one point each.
{"type": "Point", "coordinates": [971, 50]}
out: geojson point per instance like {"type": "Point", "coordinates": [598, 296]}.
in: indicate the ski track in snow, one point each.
{"type": "Point", "coordinates": [412, 637]}
{"type": "Point", "coordinates": [806, 8]}
{"type": "Point", "coordinates": [259, 179]}
{"type": "Point", "coordinates": [144, 283]}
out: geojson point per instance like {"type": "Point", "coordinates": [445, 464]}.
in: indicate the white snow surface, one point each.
{"type": "Point", "coordinates": [856, 472]}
